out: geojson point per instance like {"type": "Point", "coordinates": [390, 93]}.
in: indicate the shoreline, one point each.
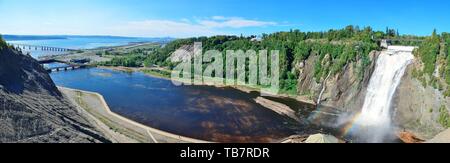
{"type": "Point", "coordinates": [278, 108]}
{"type": "Point", "coordinates": [117, 127]}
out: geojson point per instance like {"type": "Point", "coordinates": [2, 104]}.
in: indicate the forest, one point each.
{"type": "Point", "coordinates": [433, 53]}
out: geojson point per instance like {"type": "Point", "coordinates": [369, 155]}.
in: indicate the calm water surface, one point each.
{"type": "Point", "coordinates": [216, 114]}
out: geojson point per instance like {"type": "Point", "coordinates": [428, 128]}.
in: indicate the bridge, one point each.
{"type": "Point", "coordinates": [384, 43]}
{"type": "Point", "coordinates": [400, 39]}
{"type": "Point", "coordinates": [67, 66]}
{"type": "Point", "coordinates": [41, 48]}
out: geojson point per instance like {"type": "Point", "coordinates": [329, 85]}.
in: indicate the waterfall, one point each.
{"type": "Point", "coordinates": [374, 122]}
{"type": "Point", "coordinates": [324, 87]}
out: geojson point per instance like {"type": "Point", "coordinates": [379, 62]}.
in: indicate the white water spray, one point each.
{"type": "Point", "coordinates": [374, 122]}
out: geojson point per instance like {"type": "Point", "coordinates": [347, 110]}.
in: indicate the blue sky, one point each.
{"type": "Point", "coordinates": [185, 18]}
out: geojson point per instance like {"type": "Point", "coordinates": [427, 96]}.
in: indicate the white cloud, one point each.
{"type": "Point", "coordinates": [215, 25]}
{"type": "Point", "coordinates": [218, 18]}
{"type": "Point", "coordinates": [186, 20]}
{"type": "Point", "coordinates": [163, 28]}
{"type": "Point", "coordinates": [234, 22]}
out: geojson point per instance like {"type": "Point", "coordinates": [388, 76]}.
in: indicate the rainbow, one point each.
{"type": "Point", "coordinates": [350, 125]}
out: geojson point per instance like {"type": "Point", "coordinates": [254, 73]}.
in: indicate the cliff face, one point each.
{"type": "Point", "coordinates": [418, 108]}
{"type": "Point", "coordinates": [31, 107]}
{"type": "Point", "coordinates": [344, 91]}
{"type": "Point", "coordinates": [415, 108]}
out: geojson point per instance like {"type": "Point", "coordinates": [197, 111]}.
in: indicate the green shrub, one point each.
{"type": "Point", "coordinates": [444, 117]}
{"type": "Point", "coordinates": [3, 43]}
{"type": "Point", "coordinates": [447, 92]}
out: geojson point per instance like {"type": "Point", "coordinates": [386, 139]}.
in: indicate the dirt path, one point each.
{"type": "Point", "coordinates": [116, 127]}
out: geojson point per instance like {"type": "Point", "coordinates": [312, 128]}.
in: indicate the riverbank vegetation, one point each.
{"type": "Point", "coordinates": [157, 73]}
{"type": "Point", "coordinates": [130, 60]}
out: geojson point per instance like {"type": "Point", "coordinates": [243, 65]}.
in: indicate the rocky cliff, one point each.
{"type": "Point", "coordinates": [31, 107]}
{"type": "Point", "coordinates": [344, 91]}
{"type": "Point", "coordinates": [418, 107]}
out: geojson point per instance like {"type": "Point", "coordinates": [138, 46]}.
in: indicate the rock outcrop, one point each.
{"type": "Point", "coordinates": [417, 108]}
{"type": "Point", "coordinates": [344, 91]}
{"type": "Point", "coordinates": [31, 107]}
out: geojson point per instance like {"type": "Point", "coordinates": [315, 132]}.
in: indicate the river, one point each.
{"type": "Point", "coordinates": [202, 112]}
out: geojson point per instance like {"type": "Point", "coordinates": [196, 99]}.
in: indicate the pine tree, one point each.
{"type": "Point", "coordinates": [434, 35]}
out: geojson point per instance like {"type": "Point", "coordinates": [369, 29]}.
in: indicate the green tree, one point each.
{"type": "Point", "coordinates": [3, 43]}
{"type": "Point", "coordinates": [434, 35]}
{"type": "Point", "coordinates": [444, 117]}
{"type": "Point", "coordinates": [428, 52]}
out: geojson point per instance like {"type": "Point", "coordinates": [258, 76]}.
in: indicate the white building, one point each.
{"type": "Point", "coordinates": [385, 43]}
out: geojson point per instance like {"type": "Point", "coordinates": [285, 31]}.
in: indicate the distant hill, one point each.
{"type": "Point", "coordinates": [55, 37]}
{"type": "Point", "coordinates": [30, 37]}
